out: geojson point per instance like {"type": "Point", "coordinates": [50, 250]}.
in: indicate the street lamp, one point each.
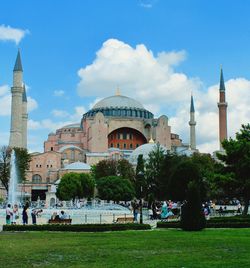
{"type": "Point", "coordinates": [141, 199]}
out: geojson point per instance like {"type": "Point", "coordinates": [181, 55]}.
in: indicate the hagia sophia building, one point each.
{"type": "Point", "coordinates": [116, 127]}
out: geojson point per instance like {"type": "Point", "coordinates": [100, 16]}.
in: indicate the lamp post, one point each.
{"type": "Point", "coordinates": [141, 217]}
{"type": "Point", "coordinates": [141, 199]}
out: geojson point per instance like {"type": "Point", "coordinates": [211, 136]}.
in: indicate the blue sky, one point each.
{"type": "Point", "coordinates": [59, 38]}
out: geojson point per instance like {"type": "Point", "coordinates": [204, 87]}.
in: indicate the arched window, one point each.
{"type": "Point", "coordinates": [36, 178]}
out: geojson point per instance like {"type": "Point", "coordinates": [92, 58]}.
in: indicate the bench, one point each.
{"type": "Point", "coordinates": [172, 217]}
{"type": "Point", "coordinates": [59, 221]}
{"type": "Point", "coordinates": [124, 219]}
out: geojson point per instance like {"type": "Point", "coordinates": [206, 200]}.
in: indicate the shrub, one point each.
{"type": "Point", "coordinates": [192, 216]}
{"type": "Point", "coordinates": [77, 227]}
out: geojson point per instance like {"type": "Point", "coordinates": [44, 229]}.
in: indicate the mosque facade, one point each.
{"type": "Point", "coordinates": [116, 127]}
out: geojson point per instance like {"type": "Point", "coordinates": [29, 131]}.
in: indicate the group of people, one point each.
{"type": "Point", "coordinates": [61, 216]}
{"type": "Point", "coordinates": [12, 214]}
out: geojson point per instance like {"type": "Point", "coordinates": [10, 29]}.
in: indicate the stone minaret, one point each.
{"type": "Point", "coordinates": [192, 124]}
{"type": "Point", "coordinates": [222, 105]}
{"type": "Point", "coordinates": [16, 139]}
{"type": "Point", "coordinates": [24, 119]}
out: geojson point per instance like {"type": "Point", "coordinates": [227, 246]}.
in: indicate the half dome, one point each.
{"type": "Point", "coordinates": [145, 150]}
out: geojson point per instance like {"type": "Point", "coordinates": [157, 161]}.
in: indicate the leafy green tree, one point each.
{"type": "Point", "coordinates": [5, 153]}
{"type": "Point", "coordinates": [112, 167]}
{"type": "Point", "coordinates": [69, 187]}
{"type": "Point", "coordinates": [192, 216]}
{"type": "Point", "coordinates": [75, 185]}
{"type": "Point", "coordinates": [237, 163]}
{"type": "Point", "coordinates": [140, 179]}
{"type": "Point", "coordinates": [104, 168]}
{"type": "Point", "coordinates": [154, 170]}
{"type": "Point", "coordinates": [125, 170]}
{"type": "Point", "coordinates": [23, 159]}
{"type": "Point", "coordinates": [183, 173]}
{"type": "Point", "coordinates": [115, 188]}
{"type": "Point", "coordinates": [87, 185]}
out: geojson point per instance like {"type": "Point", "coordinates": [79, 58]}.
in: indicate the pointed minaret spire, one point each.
{"type": "Point", "coordinates": [222, 105]}
{"type": "Point", "coordinates": [192, 124]}
{"type": "Point", "coordinates": [18, 65]}
{"type": "Point", "coordinates": [222, 84]}
{"type": "Point", "coordinates": [192, 104]}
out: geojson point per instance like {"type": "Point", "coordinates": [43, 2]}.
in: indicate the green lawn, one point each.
{"type": "Point", "coordinates": [157, 248]}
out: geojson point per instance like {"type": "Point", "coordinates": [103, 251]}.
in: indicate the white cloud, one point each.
{"type": "Point", "coordinates": [5, 104]}
{"type": "Point", "coordinates": [32, 104]}
{"type": "Point", "coordinates": [59, 93]}
{"type": "Point", "coordinates": [147, 3]}
{"type": "Point", "coordinates": [8, 33]}
{"type": "Point", "coordinates": [59, 113]}
{"type": "Point", "coordinates": [4, 90]}
{"type": "Point", "coordinates": [147, 78]}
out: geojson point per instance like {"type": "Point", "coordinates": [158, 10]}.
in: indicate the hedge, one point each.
{"type": "Point", "coordinates": [77, 227]}
{"type": "Point", "coordinates": [213, 223]}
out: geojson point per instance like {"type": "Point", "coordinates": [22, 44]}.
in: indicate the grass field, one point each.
{"type": "Point", "coordinates": [229, 248]}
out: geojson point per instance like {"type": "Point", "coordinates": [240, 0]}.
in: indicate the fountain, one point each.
{"type": "Point", "coordinates": [12, 193]}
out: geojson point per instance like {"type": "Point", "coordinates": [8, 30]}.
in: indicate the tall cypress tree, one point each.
{"type": "Point", "coordinates": [192, 216]}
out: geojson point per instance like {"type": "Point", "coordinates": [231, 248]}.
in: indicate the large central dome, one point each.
{"type": "Point", "coordinates": [119, 102]}
{"type": "Point", "coordinates": [119, 106]}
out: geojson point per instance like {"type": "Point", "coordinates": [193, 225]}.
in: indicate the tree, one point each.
{"type": "Point", "coordinates": [115, 188]}
{"type": "Point", "coordinates": [154, 169]}
{"type": "Point", "coordinates": [104, 168]}
{"type": "Point", "coordinates": [5, 153]}
{"type": "Point", "coordinates": [111, 167]}
{"type": "Point", "coordinates": [183, 173]}
{"type": "Point", "coordinates": [69, 187]}
{"type": "Point", "coordinates": [192, 216]}
{"type": "Point", "coordinates": [75, 185]}
{"type": "Point", "coordinates": [23, 159]}
{"type": "Point", "coordinates": [237, 163]}
{"type": "Point", "coordinates": [140, 180]}
{"type": "Point", "coordinates": [125, 170]}
{"type": "Point", "coordinates": [87, 185]}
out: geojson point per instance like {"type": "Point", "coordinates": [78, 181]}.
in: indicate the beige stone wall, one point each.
{"type": "Point", "coordinates": [163, 132]}
{"type": "Point", "coordinates": [92, 160]}
{"type": "Point", "coordinates": [46, 165]}
{"type": "Point", "coordinates": [98, 134]}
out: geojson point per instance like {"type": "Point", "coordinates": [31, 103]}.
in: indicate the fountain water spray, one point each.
{"type": "Point", "coordinates": [12, 193]}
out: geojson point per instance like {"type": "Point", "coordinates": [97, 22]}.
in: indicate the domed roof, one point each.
{"type": "Point", "coordinates": [144, 149]}
{"type": "Point", "coordinates": [118, 101]}
{"type": "Point", "coordinates": [78, 166]}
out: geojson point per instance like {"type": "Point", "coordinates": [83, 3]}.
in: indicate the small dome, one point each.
{"type": "Point", "coordinates": [144, 149]}
{"type": "Point", "coordinates": [118, 101]}
{"type": "Point", "coordinates": [78, 166]}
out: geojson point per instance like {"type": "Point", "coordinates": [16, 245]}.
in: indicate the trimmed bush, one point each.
{"type": "Point", "coordinates": [77, 227]}
{"type": "Point", "coordinates": [222, 222]}
{"type": "Point", "coordinates": [192, 216]}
